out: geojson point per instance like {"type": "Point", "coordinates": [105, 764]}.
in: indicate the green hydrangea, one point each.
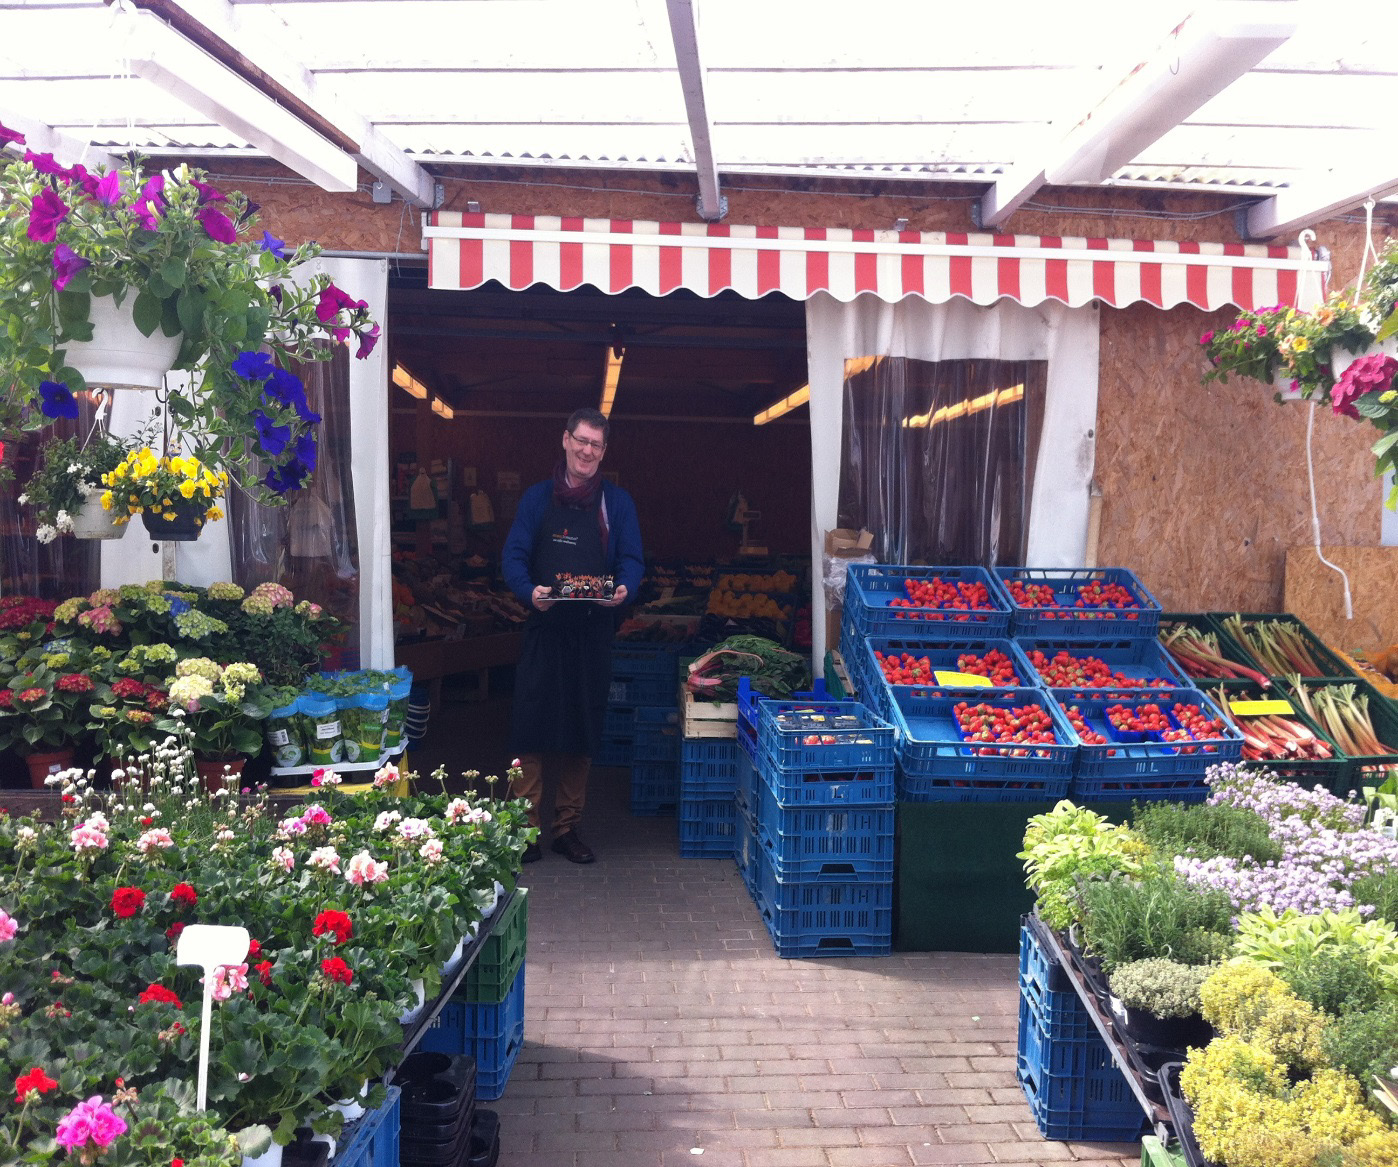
{"type": "Point", "coordinates": [141, 596]}
{"type": "Point", "coordinates": [226, 591]}
{"type": "Point", "coordinates": [200, 666]}
{"type": "Point", "coordinates": [159, 653]}
{"type": "Point", "coordinates": [57, 660]}
{"type": "Point", "coordinates": [67, 611]}
{"type": "Point", "coordinates": [195, 625]}
{"type": "Point", "coordinates": [188, 689]}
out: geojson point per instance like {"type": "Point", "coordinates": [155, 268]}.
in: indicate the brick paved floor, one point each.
{"type": "Point", "coordinates": [662, 1029]}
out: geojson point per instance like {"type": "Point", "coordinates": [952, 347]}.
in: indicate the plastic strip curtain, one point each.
{"type": "Point", "coordinates": [311, 544]}
{"type": "Point", "coordinates": [939, 457]}
{"type": "Point", "coordinates": [65, 567]}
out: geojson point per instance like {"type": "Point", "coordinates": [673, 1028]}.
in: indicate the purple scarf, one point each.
{"type": "Point", "coordinates": [584, 496]}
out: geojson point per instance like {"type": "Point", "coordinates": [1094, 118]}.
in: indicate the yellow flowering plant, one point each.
{"type": "Point", "coordinates": [163, 485]}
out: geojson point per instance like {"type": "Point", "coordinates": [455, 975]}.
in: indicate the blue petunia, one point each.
{"type": "Point", "coordinates": [57, 400]}
{"type": "Point", "coordinates": [280, 479]}
{"type": "Point", "coordinates": [285, 388]}
{"type": "Point", "coordinates": [307, 452]}
{"type": "Point", "coordinates": [253, 366]}
{"type": "Point", "coordinates": [270, 436]}
{"type": "Point", "coordinates": [276, 246]}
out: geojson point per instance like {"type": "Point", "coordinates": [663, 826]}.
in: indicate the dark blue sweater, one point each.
{"type": "Point", "coordinates": [624, 558]}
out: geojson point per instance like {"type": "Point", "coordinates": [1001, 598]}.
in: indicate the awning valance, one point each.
{"type": "Point", "coordinates": [466, 250]}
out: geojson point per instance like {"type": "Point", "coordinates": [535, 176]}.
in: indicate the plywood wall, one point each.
{"type": "Point", "coordinates": [1315, 593]}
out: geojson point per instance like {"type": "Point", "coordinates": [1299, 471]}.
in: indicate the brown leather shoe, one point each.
{"type": "Point", "coordinates": [532, 853]}
{"type": "Point", "coordinates": [573, 848]}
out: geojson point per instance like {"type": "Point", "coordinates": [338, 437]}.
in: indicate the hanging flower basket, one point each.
{"type": "Point", "coordinates": [119, 355]}
{"type": "Point", "coordinates": [93, 521]}
{"type": "Point", "coordinates": [182, 523]}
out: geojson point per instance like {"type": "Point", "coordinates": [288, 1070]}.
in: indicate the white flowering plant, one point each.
{"type": "Point", "coordinates": [70, 472]}
{"type": "Point", "coordinates": [222, 706]}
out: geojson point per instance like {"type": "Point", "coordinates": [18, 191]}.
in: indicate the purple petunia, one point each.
{"type": "Point", "coordinates": [272, 438]}
{"type": "Point", "coordinates": [218, 225]}
{"type": "Point", "coordinates": [66, 264]}
{"type": "Point", "coordinates": [57, 400]}
{"type": "Point", "coordinates": [108, 189]}
{"type": "Point", "coordinates": [207, 193]}
{"type": "Point", "coordinates": [47, 212]}
{"type": "Point", "coordinates": [9, 136]}
{"type": "Point", "coordinates": [367, 341]}
{"type": "Point", "coordinates": [253, 366]}
{"type": "Point", "coordinates": [45, 164]}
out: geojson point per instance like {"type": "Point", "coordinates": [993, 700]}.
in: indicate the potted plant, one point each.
{"type": "Point", "coordinates": [66, 490]}
{"type": "Point", "coordinates": [221, 706]}
{"type": "Point", "coordinates": [43, 715]}
{"type": "Point", "coordinates": [171, 258]}
{"type": "Point", "coordinates": [174, 495]}
{"type": "Point", "coordinates": [1156, 1001]}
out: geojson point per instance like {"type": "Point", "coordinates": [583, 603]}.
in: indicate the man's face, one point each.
{"type": "Point", "coordinates": [583, 450]}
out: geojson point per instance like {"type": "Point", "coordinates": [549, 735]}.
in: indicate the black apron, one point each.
{"type": "Point", "coordinates": [565, 664]}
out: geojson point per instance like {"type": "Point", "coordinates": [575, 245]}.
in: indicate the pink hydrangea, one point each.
{"type": "Point", "coordinates": [364, 868]}
{"type": "Point", "coordinates": [93, 1122]}
{"type": "Point", "coordinates": [100, 620]}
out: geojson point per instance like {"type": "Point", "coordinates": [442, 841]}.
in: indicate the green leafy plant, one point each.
{"type": "Point", "coordinates": [1338, 979]}
{"type": "Point", "coordinates": [1379, 892]}
{"type": "Point", "coordinates": [1287, 941]}
{"type": "Point", "coordinates": [1126, 919]}
{"type": "Point", "coordinates": [1364, 1042]}
{"type": "Point", "coordinates": [1163, 988]}
{"type": "Point", "coordinates": [1066, 847]}
{"type": "Point", "coordinates": [1203, 830]}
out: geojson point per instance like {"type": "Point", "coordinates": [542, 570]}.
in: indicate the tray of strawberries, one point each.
{"type": "Point", "coordinates": [1078, 602]}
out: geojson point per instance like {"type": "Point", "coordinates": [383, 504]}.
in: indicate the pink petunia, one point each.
{"type": "Point", "coordinates": [47, 212]}
{"type": "Point", "coordinates": [218, 225]}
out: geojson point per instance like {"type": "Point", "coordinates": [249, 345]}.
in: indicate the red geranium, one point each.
{"type": "Point", "coordinates": [264, 970]}
{"type": "Point", "coordinates": [337, 970]}
{"type": "Point", "coordinates": [254, 949]}
{"type": "Point", "coordinates": [161, 995]}
{"type": "Point", "coordinates": [127, 901]}
{"type": "Point", "coordinates": [172, 933]}
{"type": "Point", "coordinates": [336, 922]}
{"type": "Point", "coordinates": [182, 893]}
{"type": "Point", "coordinates": [36, 1079]}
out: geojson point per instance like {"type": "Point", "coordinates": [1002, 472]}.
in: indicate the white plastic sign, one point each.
{"type": "Point", "coordinates": [210, 945]}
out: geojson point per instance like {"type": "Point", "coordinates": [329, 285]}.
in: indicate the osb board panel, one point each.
{"type": "Point", "coordinates": [1316, 594]}
{"type": "Point", "coordinates": [1204, 486]}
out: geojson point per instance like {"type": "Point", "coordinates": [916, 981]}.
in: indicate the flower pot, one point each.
{"type": "Point", "coordinates": [456, 954]}
{"type": "Point", "coordinates": [185, 527]}
{"type": "Point", "coordinates": [352, 1108]}
{"type": "Point", "coordinates": [1173, 1033]}
{"type": "Point", "coordinates": [271, 1157]}
{"type": "Point", "coordinates": [42, 765]}
{"type": "Point", "coordinates": [92, 522]}
{"type": "Point", "coordinates": [408, 1016]}
{"type": "Point", "coordinates": [118, 356]}
{"type": "Point", "coordinates": [214, 773]}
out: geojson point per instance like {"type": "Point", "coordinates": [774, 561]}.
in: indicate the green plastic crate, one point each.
{"type": "Point", "coordinates": [1332, 773]}
{"type": "Point", "coordinates": [489, 979]}
{"type": "Point", "coordinates": [1333, 665]}
{"type": "Point", "coordinates": [1368, 770]}
{"type": "Point", "coordinates": [1229, 647]}
{"type": "Point", "coordinates": [1154, 1153]}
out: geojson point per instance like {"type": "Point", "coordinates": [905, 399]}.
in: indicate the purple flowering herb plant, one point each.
{"type": "Point", "coordinates": [186, 259]}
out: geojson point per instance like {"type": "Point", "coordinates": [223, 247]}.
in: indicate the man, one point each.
{"type": "Point", "coordinates": [572, 525]}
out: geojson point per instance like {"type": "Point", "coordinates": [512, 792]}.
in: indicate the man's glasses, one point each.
{"type": "Point", "coordinates": [590, 443]}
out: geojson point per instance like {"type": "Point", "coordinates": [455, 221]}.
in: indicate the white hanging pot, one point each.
{"type": "Point", "coordinates": [408, 1016]}
{"type": "Point", "coordinates": [118, 356]}
{"type": "Point", "coordinates": [271, 1157]}
{"type": "Point", "coordinates": [1342, 358]}
{"type": "Point", "coordinates": [92, 522]}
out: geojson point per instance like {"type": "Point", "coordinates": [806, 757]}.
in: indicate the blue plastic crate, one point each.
{"type": "Point", "coordinates": [746, 847]}
{"type": "Point", "coordinates": [1065, 621]}
{"type": "Point", "coordinates": [1047, 990]}
{"type": "Point", "coordinates": [805, 919]}
{"type": "Point", "coordinates": [870, 588]}
{"type": "Point", "coordinates": [619, 722]}
{"type": "Point", "coordinates": [822, 736]}
{"type": "Point", "coordinates": [1086, 1098]}
{"type": "Point", "coordinates": [1135, 659]}
{"type": "Point", "coordinates": [750, 700]}
{"type": "Point", "coordinates": [709, 767]}
{"type": "Point", "coordinates": [863, 786]}
{"type": "Point", "coordinates": [492, 1034]}
{"type": "Point", "coordinates": [613, 751]}
{"type": "Point", "coordinates": [655, 788]}
{"type": "Point", "coordinates": [1125, 769]}
{"type": "Point", "coordinates": [645, 674]}
{"type": "Point", "coordinates": [1037, 964]}
{"type": "Point", "coordinates": [813, 842]}
{"type": "Point", "coordinates": [936, 765]}
{"type": "Point", "coordinates": [708, 828]}
{"type": "Point", "coordinates": [656, 734]}
{"type": "Point", "coordinates": [372, 1140]}
{"type": "Point", "coordinates": [877, 693]}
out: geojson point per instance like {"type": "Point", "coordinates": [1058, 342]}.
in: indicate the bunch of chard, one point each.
{"type": "Point", "coordinates": [1197, 652]}
{"type": "Point", "coordinates": [1274, 737]}
{"type": "Point", "coordinates": [1279, 646]}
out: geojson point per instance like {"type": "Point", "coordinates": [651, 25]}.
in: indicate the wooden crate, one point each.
{"type": "Point", "coordinates": [707, 718]}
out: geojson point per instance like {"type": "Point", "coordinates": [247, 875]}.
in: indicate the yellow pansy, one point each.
{"type": "Point", "coordinates": [187, 489]}
{"type": "Point", "coordinates": [214, 514]}
{"type": "Point", "coordinates": [106, 500]}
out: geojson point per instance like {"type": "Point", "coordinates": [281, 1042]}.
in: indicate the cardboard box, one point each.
{"type": "Point", "coordinates": [846, 543]}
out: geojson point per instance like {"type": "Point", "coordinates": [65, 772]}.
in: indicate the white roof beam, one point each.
{"type": "Point", "coordinates": [1307, 204]}
{"type": "Point", "coordinates": [684, 31]}
{"type": "Point", "coordinates": [215, 22]}
{"type": "Point", "coordinates": [42, 138]}
{"type": "Point", "coordinates": [1205, 54]}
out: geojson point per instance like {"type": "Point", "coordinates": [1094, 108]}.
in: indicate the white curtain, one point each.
{"type": "Point", "coordinates": [135, 558]}
{"type": "Point", "coordinates": [1066, 338]}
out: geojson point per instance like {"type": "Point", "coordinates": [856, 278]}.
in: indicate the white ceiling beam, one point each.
{"type": "Point", "coordinates": [167, 60]}
{"type": "Point", "coordinates": [1205, 54]}
{"type": "Point", "coordinates": [1309, 203]}
{"type": "Point", "coordinates": [684, 32]}
{"type": "Point", "coordinates": [42, 138]}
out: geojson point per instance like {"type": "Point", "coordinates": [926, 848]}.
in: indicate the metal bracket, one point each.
{"type": "Point", "coordinates": [707, 212]}
{"type": "Point", "coordinates": [439, 195]}
{"type": "Point", "coordinates": [976, 215]}
{"type": "Point", "coordinates": [381, 192]}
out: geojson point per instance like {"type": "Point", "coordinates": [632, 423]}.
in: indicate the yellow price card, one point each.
{"type": "Point", "coordinates": [961, 680]}
{"type": "Point", "coordinates": [1260, 708]}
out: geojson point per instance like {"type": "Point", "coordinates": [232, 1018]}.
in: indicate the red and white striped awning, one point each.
{"type": "Point", "coordinates": [466, 250]}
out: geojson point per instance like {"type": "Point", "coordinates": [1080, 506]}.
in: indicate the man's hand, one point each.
{"type": "Point", "coordinates": [618, 598]}
{"type": "Point", "coordinates": [543, 598]}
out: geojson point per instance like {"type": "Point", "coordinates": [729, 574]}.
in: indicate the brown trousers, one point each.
{"type": "Point", "coordinates": [571, 771]}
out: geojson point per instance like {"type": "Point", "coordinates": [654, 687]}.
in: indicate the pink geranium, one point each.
{"type": "Point", "coordinates": [229, 979]}
{"type": "Point", "coordinates": [364, 868]}
{"type": "Point", "coordinates": [8, 927]}
{"type": "Point", "coordinates": [93, 1122]}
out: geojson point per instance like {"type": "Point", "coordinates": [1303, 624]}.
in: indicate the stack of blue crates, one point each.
{"type": "Point", "coordinates": [493, 1034]}
{"type": "Point", "coordinates": [815, 829]}
{"type": "Point", "coordinates": [655, 760]}
{"type": "Point", "coordinates": [709, 769]}
{"type": "Point", "coordinates": [1066, 1070]}
{"type": "Point", "coordinates": [641, 729]}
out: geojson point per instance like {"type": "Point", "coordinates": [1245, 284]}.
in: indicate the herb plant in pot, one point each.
{"type": "Point", "coordinates": [66, 489]}
{"type": "Point", "coordinates": [1156, 1001]}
